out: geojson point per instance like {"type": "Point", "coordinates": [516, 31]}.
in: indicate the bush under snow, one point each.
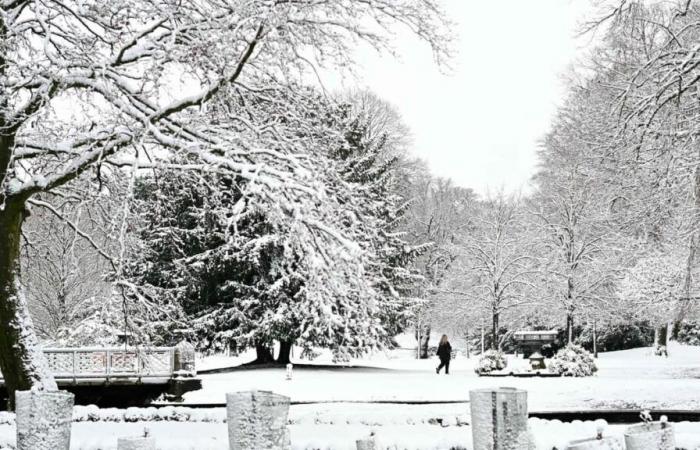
{"type": "Point", "coordinates": [573, 361]}
{"type": "Point", "coordinates": [491, 360]}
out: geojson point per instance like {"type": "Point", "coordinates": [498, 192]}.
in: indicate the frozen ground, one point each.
{"type": "Point", "coordinates": [626, 379]}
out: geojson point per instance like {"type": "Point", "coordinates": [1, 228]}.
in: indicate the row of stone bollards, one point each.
{"type": "Point", "coordinates": [258, 420]}
{"type": "Point", "coordinates": [499, 422]}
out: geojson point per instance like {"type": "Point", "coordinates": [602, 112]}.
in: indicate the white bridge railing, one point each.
{"type": "Point", "coordinates": [110, 363]}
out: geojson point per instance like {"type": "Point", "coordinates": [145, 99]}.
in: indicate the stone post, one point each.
{"type": "Point", "coordinates": [43, 419]}
{"type": "Point", "coordinates": [184, 372]}
{"type": "Point", "coordinates": [653, 435]}
{"type": "Point", "coordinates": [499, 419]}
{"type": "Point", "coordinates": [257, 420]}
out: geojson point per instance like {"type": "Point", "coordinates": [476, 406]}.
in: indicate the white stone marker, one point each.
{"type": "Point", "coordinates": [43, 419]}
{"type": "Point", "coordinates": [499, 419]}
{"type": "Point", "coordinates": [289, 371]}
{"type": "Point", "coordinates": [257, 420]}
{"type": "Point", "coordinates": [650, 436]}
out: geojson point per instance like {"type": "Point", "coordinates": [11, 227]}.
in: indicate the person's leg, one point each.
{"type": "Point", "coordinates": [447, 367]}
{"type": "Point", "coordinates": [442, 364]}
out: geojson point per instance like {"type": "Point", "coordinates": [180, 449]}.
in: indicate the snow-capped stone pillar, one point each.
{"type": "Point", "coordinates": [256, 420]}
{"type": "Point", "coordinates": [652, 435]}
{"type": "Point", "coordinates": [499, 419]}
{"type": "Point", "coordinates": [43, 419]}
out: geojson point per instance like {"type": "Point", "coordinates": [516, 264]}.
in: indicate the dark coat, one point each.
{"type": "Point", "coordinates": [444, 351]}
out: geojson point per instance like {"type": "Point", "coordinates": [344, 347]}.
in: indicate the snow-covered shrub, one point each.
{"type": "Point", "coordinates": [92, 413]}
{"type": "Point", "coordinates": [617, 336]}
{"type": "Point", "coordinates": [491, 360]}
{"type": "Point", "coordinates": [573, 361]}
{"type": "Point", "coordinates": [689, 333]}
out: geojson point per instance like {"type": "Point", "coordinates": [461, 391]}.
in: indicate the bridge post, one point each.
{"type": "Point", "coordinates": [43, 419]}
{"type": "Point", "coordinates": [183, 360]}
{"type": "Point", "coordinates": [257, 420]}
{"type": "Point", "coordinates": [184, 372]}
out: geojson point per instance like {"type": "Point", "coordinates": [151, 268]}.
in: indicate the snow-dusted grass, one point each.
{"type": "Point", "coordinates": [630, 378]}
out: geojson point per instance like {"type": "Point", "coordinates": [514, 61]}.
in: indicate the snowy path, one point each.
{"type": "Point", "coordinates": [627, 379]}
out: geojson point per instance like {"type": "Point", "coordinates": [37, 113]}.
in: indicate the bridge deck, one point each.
{"type": "Point", "coordinates": [98, 366]}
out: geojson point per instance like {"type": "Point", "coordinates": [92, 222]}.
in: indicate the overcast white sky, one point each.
{"type": "Point", "coordinates": [480, 125]}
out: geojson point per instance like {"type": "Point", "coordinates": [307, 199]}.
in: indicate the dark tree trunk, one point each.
{"type": "Point", "coordinates": [469, 343]}
{"type": "Point", "coordinates": [570, 327]}
{"type": "Point", "coordinates": [494, 331]}
{"type": "Point", "coordinates": [263, 355]}
{"type": "Point", "coordinates": [595, 339]}
{"type": "Point", "coordinates": [285, 352]}
{"type": "Point", "coordinates": [424, 340]}
{"type": "Point", "coordinates": [21, 360]}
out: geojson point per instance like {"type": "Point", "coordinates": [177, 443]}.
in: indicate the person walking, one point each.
{"type": "Point", "coordinates": [444, 352]}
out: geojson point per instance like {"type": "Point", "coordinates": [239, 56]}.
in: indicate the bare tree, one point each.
{"type": "Point", "coordinates": [437, 216]}
{"type": "Point", "coordinates": [61, 271]}
{"type": "Point", "coordinates": [496, 263]}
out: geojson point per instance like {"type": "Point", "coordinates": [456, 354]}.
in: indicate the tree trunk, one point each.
{"type": "Point", "coordinates": [285, 352]}
{"type": "Point", "coordinates": [469, 343]}
{"type": "Point", "coordinates": [424, 339]}
{"type": "Point", "coordinates": [570, 327]}
{"type": "Point", "coordinates": [656, 338]}
{"type": "Point", "coordinates": [418, 339]}
{"type": "Point", "coordinates": [22, 362]}
{"type": "Point", "coordinates": [263, 355]}
{"type": "Point", "coordinates": [690, 284]}
{"type": "Point", "coordinates": [482, 338]}
{"type": "Point", "coordinates": [494, 332]}
{"type": "Point", "coordinates": [595, 339]}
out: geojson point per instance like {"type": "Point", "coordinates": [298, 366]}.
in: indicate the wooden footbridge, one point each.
{"type": "Point", "coordinates": [123, 376]}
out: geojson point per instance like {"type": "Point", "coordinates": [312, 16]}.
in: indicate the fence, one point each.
{"type": "Point", "coordinates": [110, 363]}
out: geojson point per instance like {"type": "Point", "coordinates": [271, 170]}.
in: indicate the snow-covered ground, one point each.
{"type": "Point", "coordinates": [632, 378]}
{"type": "Point", "coordinates": [340, 436]}
{"type": "Point", "coordinates": [626, 379]}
